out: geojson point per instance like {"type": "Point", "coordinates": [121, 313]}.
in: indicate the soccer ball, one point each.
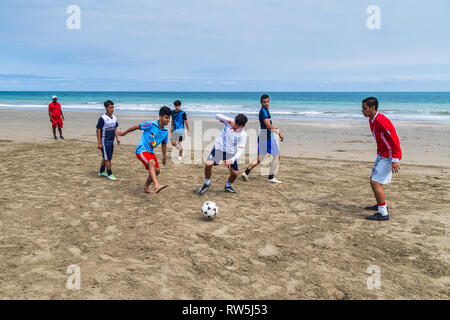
{"type": "Point", "coordinates": [210, 209]}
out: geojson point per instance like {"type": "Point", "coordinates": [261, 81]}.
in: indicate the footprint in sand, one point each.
{"type": "Point", "coordinates": [268, 250]}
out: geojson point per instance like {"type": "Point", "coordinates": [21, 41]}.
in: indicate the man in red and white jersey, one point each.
{"type": "Point", "coordinates": [388, 158]}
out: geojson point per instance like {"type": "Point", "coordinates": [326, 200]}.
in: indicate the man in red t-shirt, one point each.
{"type": "Point", "coordinates": [388, 158]}
{"type": "Point", "coordinates": [56, 117]}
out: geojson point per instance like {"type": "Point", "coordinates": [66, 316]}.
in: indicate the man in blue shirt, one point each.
{"type": "Point", "coordinates": [154, 133]}
{"type": "Point", "coordinates": [266, 142]}
{"type": "Point", "coordinates": [106, 132]}
{"type": "Point", "coordinates": [179, 121]}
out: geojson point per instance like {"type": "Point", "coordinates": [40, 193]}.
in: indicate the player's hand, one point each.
{"type": "Point", "coordinates": [164, 160]}
{"type": "Point", "coordinates": [118, 140]}
{"type": "Point", "coordinates": [281, 136]}
{"type": "Point", "coordinates": [99, 147]}
{"type": "Point", "coordinates": [228, 163]}
{"type": "Point", "coordinates": [189, 133]}
{"type": "Point", "coordinates": [63, 118]}
{"type": "Point", "coordinates": [50, 120]}
{"type": "Point", "coordinates": [395, 167]}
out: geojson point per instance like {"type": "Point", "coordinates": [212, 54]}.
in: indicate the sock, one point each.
{"type": "Point", "coordinates": [382, 209]}
{"type": "Point", "coordinates": [228, 184]}
{"type": "Point", "coordinates": [247, 171]}
{"type": "Point", "coordinates": [208, 181]}
{"type": "Point", "coordinates": [109, 172]}
{"type": "Point", "coordinates": [271, 176]}
{"type": "Point", "coordinates": [102, 169]}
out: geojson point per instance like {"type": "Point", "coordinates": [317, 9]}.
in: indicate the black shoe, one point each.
{"type": "Point", "coordinates": [55, 138]}
{"type": "Point", "coordinates": [203, 189]}
{"type": "Point", "coordinates": [230, 189]}
{"type": "Point", "coordinates": [375, 207]}
{"type": "Point", "coordinates": [61, 137]}
{"type": "Point", "coordinates": [378, 217]}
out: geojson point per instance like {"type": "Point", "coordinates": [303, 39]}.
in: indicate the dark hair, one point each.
{"type": "Point", "coordinates": [107, 103]}
{"type": "Point", "coordinates": [241, 119]}
{"type": "Point", "coordinates": [370, 102]}
{"type": "Point", "coordinates": [177, 103]}
{"type": "Point", "coordinates": [165, 111]}
{"type": "Point", "coordinates": [264, 96]}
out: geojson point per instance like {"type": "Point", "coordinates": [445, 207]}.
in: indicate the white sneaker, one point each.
{"type": "Point", "coordinates": [102, 174]}
{"type": "Point", "coordinates": [179, 158]}
{"type": "Point", "coordinates": [274, 180]}
{"type": "Point", "coordinates": [111, 177]}
{"type": "Point", "coordinates": [244, 176]}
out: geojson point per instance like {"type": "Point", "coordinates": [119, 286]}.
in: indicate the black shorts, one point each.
{"type": "Point", "coordinates": [221, 155]}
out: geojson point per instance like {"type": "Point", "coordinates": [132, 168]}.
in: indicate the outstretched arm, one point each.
{"type": "Point", "coordinates": [124, 132]}
{"type": "Point", "coordinates": [224, 119]}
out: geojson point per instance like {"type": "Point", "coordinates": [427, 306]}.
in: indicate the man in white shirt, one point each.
{"type": "Point", "coordinates": [229, 146]}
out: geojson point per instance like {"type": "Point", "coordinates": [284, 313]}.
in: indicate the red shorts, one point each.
{"type": "Point", "coordinates": [145, 157]}
{"type": "Point", "coordinates": [57, 122]}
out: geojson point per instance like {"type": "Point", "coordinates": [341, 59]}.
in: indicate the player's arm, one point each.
{"type": "Point", "coordinates": [99, 139]}
{"type": "Point", "coordinates": [390, 135]}
{"type": "Point", "coordinates": [171, 126]}
{"type": "Point", "coordinates": [273, 128]}
{"type": "Point", "coordinates": [49, 114]}
{"type": "Point", "coordinates": [224, 119]}
{"type": "Point", "coordinates": [62, 115]}
{"type": "Point", "coordinates": [131, 129]}
{"type": "Point", "coordinates": [117, 136]}
{"type": "Point", "coordinates": [239, 151]}
{"type": "Point", "coordinates": [186, 123]}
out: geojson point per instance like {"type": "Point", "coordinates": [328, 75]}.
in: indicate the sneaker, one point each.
{"type": "Point", "coordinates": [230, 189]}
{"type": "Point", "coordinates": [275, 180]}
{"type": "Point", "coordinates": [180, 158]}
{"type": "Point", "coordinates": [375, 207]}
{"type": "Point", "coordinates": [244, 176]}
{"type": "Point", "coordinates": [55, 138]}
{"type": "Point", "coordinates": [61, 137]}
{"type": "Point", "coordinates": [102, 174]}
{"type": "Point", "coordinates": [203, 188]}
{"type": "Point", "coordinates": [111, 177]}
{"type": "Point", "coordinates": [378, 217]}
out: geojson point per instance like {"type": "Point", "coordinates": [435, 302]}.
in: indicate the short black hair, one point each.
{"type": "Point", "coordinates": [165, 111]}
{"type": "Point", "coordinates": [264, 96]}
{"type": "Point", "coordinates": [370, 102]}
{"type": "Point", "coordinates": [177, 103]}
{"type": "Point", "coordinates": [107, 103]}
{"type": "Point", "coordinates": [241, 119]}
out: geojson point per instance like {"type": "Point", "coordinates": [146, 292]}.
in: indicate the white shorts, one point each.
{"type": "Point", "coordinates": [382, 170]}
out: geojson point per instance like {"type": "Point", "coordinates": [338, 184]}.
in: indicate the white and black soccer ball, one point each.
{"type": "Point", "coordinates": [210, 209]}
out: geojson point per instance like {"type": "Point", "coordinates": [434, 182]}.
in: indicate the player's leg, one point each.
{"type": "Point", "coordinates": [108, 157]}
{"type": "Point", "coordinates": [273, 168]}
{"type": "Point", "coordinates": [208, 173]}
{"type": "Point", "coordinates": [250, 167]}
{"type": "Point", "coordinates": [180, 147]}
{"type": "Point", "coordinates": [102, 172]}
{"type": "Point", "coordinates": [153, 172]}
{"type": "Point", "coordinates": [60, 126]}
{"type": "Point", "coordinates": [233, 175]}
{"type": "Point", "coordinates": [54, 132]}
{"type": "Point", "coordinates": [381, 174]}
{"type": "Point", "coordinates": [60, 133]}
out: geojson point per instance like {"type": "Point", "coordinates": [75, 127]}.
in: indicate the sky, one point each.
{"type": "Point", "coordinates": [217, 45]}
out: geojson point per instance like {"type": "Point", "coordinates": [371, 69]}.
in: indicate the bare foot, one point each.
{"type": "Point", "coordinates": [157, 190]}
{"type": "Point", "coordinates": [147, 191]}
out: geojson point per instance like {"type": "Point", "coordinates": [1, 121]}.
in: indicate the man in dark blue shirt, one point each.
{"type": "Point", "coordinates": [266, 142]}
{"type": "Point", "coordinates": [179, 122]}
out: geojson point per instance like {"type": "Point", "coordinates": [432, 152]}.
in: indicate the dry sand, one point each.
{"type": "Point", "coordinates": [304, 239]}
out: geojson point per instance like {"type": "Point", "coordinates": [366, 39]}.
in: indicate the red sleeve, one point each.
{"type": "Point", "coordinates": [391, 136]}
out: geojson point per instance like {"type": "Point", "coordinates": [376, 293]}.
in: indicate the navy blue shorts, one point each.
{"type": "Point", "coordinates": [107, 152]}
{"type": "Point", "coordinates": [221, 155]}
{"type": "Point", "coordinates": [267, 144]}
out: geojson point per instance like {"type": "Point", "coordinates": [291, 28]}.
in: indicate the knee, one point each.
{"type": "Point", "coordinates": [209, 164]}
{"type": "Point", "coordinates": [234, 172]}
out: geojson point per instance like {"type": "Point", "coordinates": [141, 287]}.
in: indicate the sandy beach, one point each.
{"type": "Point", "coordinates": [304, 239]}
